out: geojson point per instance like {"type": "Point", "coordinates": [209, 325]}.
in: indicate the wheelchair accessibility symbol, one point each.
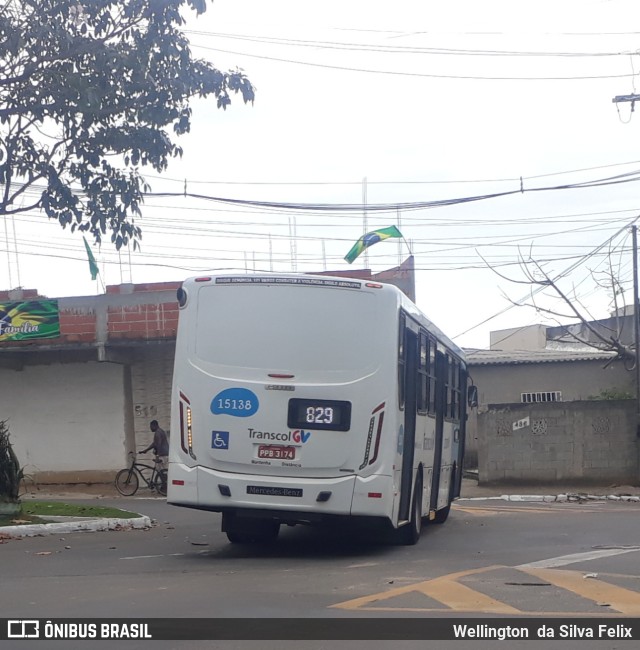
{"type": "Point", "coordinates": [220, 440]}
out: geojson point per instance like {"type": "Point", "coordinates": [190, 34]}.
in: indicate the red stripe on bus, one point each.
{"type": "Point", "coordinates": [377, 408]}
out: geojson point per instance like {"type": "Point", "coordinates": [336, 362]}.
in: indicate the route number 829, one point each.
{"type": "Point", "coordinates": [319, 415]}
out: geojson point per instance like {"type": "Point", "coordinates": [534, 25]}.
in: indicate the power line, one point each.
{"type": "Point", "coordinates": [415, 74]}
{"type": "Point", "coordinates": [402, 33]}
{"type": "Point", "coordinates": [398, 49]}
{"type": "Point", "coordinates": [626, 177]}
{"type": "Point", "coordinates": [404, 206]}
{"type": "Point", "coordinates": [515, 178]}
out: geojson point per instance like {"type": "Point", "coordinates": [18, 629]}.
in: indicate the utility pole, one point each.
{"type": "Point", "coordinates": [636, 323]}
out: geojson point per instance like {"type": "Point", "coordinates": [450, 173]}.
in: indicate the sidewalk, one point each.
{"type": "Point", "coordinates": [74, 525]}
{"type": "Point", "coordinates": [63, 492]}
{"type": "Point", "coordinates": [470, 490]}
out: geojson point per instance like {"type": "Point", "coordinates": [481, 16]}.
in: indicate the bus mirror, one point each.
{"type": "Point", "coordinates": [182, 297]}
{"type": "Point", "coordinates": [472, 396]}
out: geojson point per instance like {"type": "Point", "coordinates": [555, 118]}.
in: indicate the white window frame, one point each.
{"type": "Point", "coordinates": [541, 396]}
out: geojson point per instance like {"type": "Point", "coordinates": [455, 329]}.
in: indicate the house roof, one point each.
{"type": "Point", "coordinates": [507, 357]}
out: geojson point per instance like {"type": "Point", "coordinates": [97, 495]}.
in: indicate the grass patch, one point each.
{"type": "Point", "coordinates": [36, 512]}
{"type": "Point", "coordinates": [20, 520]}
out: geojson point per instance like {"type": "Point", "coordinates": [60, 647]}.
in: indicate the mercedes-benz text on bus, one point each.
{"type": "Point", "coordinates": [302, 399]}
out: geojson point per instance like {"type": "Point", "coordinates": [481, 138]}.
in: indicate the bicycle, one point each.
{"type": "Point", "coordinates": [128, 479]}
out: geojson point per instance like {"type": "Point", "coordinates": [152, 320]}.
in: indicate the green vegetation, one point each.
{"type": "Point", "coordinates": [38, 512]}
{"type": "Point", "coordinates": [10, 471]}
{"type": "Point", "coordinates": [612, 393]}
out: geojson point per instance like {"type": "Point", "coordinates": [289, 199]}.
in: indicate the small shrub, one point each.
{"type": "Point", "coordinates": [10, 471]}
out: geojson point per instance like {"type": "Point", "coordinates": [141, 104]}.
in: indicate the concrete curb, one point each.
{"type": "Point", "coordinates": [558, 498]}
{"type": "Point", "coordinates": [75, 526]}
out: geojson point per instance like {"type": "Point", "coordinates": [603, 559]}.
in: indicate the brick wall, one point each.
{"type": "Point", "coordinates": [152, 321]}
{"type": "Point", "coordinates": [151, 376]}
{"type": "Point", "coordinates": [76, 325]}
{"type": "Point", "coordinates": [588, 441]}
{"type": "Point", "coordinates": [127, 311]}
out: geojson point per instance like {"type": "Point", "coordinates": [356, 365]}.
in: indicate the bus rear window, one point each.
{"type": "Point", "coordinates": [287, 327]}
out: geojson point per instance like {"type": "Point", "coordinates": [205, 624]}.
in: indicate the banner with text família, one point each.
{"type": "Point", "coordinates": [29, 319]}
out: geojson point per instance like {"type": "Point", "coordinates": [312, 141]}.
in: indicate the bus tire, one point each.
{"type": "Point", "coordinates": [263, 536]}
{"type": "Point", "coordinates": [409, 534]}
{"type": "Point", "coordinates": [239, 538]}
{"type": "Point", "coordinates": [443, 514]}
{"type": "Point", "coordinates": [244, 531]}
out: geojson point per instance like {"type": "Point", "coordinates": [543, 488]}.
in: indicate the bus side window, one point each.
{"type": "Point", "coordinates": [423, 368]}
{"type": "Point", "coordinates": [432, 377]}
{"type": "Point", "coordinates": [455, 390]}
{"type": "Point", "coordinates": [401, 359]}
{"type": "Point", "coordinates": [447, 387]}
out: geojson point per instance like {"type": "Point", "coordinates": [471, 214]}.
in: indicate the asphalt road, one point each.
{"type": "Point", "coordinates": [492, 558]}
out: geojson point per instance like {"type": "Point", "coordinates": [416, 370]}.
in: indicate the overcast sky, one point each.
{"type": "Point", "coordinates": [427, 101]}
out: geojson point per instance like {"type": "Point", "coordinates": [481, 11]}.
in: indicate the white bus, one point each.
{"type": "Point", "coordinates": [304, 399]}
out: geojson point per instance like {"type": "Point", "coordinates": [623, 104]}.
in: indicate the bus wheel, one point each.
{"type": "Point", "coordinates": [409, 534]}
{"type": "Point", "coordinates": [443, 514]}
{"type": "Point", "coordinates": [249, 531]}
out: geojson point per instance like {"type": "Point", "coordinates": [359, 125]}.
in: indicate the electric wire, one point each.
{"type": "Point", "coordinates": [401, 73]}
{"type": "Point", "coordinates": [513, 179]}
{"type": "Point", "coordinates": [398, 49]}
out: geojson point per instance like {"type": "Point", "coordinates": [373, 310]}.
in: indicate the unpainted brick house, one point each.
{"type": "Point", "coordinates": [77, 403]}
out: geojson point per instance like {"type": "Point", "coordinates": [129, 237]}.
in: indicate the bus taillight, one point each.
{"type": "Point", "coordinates": [190, 433]}
{"type": "Point", "coordinates": [186, 418]}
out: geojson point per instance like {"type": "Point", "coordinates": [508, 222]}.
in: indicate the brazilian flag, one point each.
{"type": "Point", "coordinates": [370, 239]}
{"type": "Point", "coordinates": [31, 319]}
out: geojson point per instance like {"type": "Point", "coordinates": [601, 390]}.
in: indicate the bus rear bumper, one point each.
{"type": "Point", "coordinates": [223, 491]}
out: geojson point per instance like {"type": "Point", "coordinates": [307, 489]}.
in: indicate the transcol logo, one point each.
{"type": "Point", "coordinates": [299, 436]}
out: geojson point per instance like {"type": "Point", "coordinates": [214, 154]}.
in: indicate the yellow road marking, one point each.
{"type": "Point", "coordinates": [622, 600]}
{"type": "Point", "coordinates": [445, 590]}
{"type": "Point", "coordinates": [462, 598]}
{"type": "Point", "coordinates": [458, 597]}
{"type": "Point", "coordinates": [363, 601]}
